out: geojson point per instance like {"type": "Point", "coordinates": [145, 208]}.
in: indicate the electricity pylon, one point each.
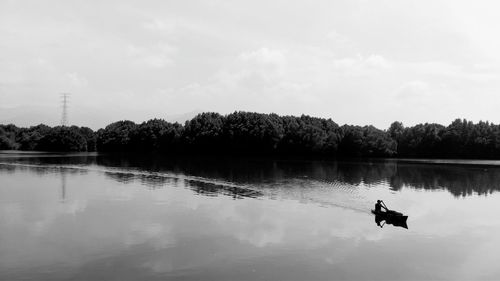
{"type": "Point", "coordinates": [65, 101]}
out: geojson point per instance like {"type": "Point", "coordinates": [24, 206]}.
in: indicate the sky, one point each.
{"type": "Point", "coordinates": [355, 61]}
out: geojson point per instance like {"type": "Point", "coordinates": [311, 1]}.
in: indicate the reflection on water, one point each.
{"type": "Point", "coordinates": [63, 185]}
{"type": "Point", "coordinates": [382, 220]}
{"type": "Point", "coordinates": [460, 180]}
{"type": "Point", "coordinates": [89, 217]}
{"type": "Point", "coordinates": [200, 186]}
{"type": "Point", "coordinates": [211, 189]}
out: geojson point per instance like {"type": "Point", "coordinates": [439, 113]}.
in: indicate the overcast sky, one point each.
{"type": "Point", "coordinates": [357, 62]}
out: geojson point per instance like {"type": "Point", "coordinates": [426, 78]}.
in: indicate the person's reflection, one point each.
{"type": "Point", "coordinates": [378, 220]}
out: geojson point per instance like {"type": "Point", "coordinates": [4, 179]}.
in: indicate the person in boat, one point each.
{"type": "Point", "coordinates": [379, 206]}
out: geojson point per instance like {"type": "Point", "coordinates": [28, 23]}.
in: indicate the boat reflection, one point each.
{"type": "Point", "coordinates": [383, 218]}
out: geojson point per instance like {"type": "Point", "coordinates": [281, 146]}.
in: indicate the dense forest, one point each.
{"type": "Point", "coordinates": [247, 133]}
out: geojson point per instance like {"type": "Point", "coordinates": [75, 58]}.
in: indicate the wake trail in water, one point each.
{"type": "Point", "coordinates": [323, 193]}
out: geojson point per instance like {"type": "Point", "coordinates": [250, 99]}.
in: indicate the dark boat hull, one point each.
{"type": "Point", "coordinates": [391, 217]}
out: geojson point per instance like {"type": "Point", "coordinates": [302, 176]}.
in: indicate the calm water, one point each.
{"type": "Point", "coordinates": [88, 217]}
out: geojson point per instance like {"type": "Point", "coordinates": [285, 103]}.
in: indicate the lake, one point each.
{"type": "Point", "coordinates": [96, 217]}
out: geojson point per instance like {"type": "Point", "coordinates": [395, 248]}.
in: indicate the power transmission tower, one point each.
{"type": "Point", "coordinates": [65, 101]}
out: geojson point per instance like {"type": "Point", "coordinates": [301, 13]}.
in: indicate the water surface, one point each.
{"type": "Point", "coordinates": [90, 217]}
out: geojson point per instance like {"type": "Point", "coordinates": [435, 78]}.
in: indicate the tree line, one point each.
{"type": "Point", "coordinates": [266, 135]}
{"type": "Point", "coordinates": [45, 138]}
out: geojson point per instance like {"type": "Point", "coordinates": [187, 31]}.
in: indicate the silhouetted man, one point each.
{"type": "Point", "coordinates": [379, 206]}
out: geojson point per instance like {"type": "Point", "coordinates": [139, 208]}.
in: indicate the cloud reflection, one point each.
{"type": "Point", "coordinates": [180, 223]}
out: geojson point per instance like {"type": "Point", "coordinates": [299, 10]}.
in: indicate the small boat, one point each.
{"type": "Point", "coordinates": [389, 213]}
{"type": "Point", "coordinates": [391, 217]}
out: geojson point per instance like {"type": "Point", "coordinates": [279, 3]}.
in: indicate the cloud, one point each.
{"type": "Point", "coordinates": [361, 66]}
{"type": "Point", "coordinates": [377, 61]}
{"type": "Point", "coordinates": [255, 70]}
{"type": "Point", "coordinates": [159, 25]}
{"type": "Point", "coordinates": [337, 38]}
{"type": "Point", "coordinates": [418, 93]}
{"type": "Point", "coordinates": [156, 56]}
{"type": "Point", "coordinates": [414, 90]}
{"type": "Point", "coordinates": [263, 56]}
{"type": "Point", "coordinates": [76, 79]}
{"type": "Point", "coordinates": [286, 81]}
{"type": "Point", "coordinates": [346, 60]}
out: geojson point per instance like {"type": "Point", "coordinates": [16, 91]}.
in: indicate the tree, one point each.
{"type": "Point", "coordinates": [204, 132]}
{"type": "Point", "coordinates": [116, 136]}
{"type": "Point", "coordinates": [156, 135]}
{"type": "Point", "coordinates": [63, 139]}
{"type": "Point", "coordinates": [248, 132]}
{"type": "Point", "coordinates": [8, 137]}
{"type": "Point", "coordinates": [28, 138]}
{"type": "Point", "coordinates": [366, 141]}
{"type": "Point", "coordinates": [90, 137]}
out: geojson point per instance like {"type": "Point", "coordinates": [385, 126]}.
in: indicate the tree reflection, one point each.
{"type": "Point", "coordinates": [200, 186]}
{"type": "Point", "coordinates": [459, 180]}
{"type": "Point", "coordinates": [212, 189]}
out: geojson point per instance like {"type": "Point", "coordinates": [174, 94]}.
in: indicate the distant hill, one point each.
{"type": "Point", "coordinates": [24, 116]}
